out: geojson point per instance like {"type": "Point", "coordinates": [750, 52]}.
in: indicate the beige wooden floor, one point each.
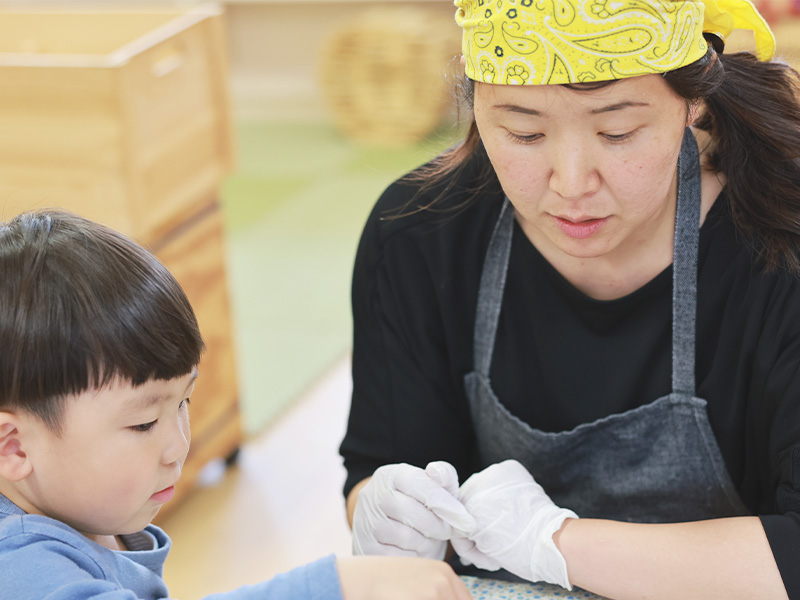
{"type": "Point", "coordinates": [281, 505]}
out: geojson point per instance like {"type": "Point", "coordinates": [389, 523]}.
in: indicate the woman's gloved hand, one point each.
{"type": "Point", "coordinates": [406, 511]}
{"type": "Point", "coordinates": [515, 523]}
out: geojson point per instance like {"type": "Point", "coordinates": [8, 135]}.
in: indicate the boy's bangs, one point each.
{"type": "Point", "coordinates": [82, 304]}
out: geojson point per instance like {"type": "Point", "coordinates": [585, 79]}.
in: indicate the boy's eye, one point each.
{"type": "Point", "coordinates": [144, 427]}
{"type": "Point", "coordinates": [185, 403]}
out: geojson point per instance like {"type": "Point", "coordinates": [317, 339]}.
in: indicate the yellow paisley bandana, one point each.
{"type": "Point", "coordinates": [541, 42]}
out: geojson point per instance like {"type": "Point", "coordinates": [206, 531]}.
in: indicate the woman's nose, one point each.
{"type": "Point", "coordinates": [573, 173]}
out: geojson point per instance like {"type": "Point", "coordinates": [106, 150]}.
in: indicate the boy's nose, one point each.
{"type": "Point", "coordinates": [178, 442]}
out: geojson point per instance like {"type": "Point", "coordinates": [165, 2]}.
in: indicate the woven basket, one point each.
{"type": "Point", "coordinates": [383, 75]}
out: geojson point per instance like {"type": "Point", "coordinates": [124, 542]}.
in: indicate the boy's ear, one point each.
{"type": "Point", "coordinates": [15, 464]}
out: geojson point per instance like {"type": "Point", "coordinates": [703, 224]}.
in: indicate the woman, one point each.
{"type": "Point", "coordinates": [590, 308]}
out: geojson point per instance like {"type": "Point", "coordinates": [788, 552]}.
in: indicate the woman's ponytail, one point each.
{"type": "Point", "coordinates": [752, 111]}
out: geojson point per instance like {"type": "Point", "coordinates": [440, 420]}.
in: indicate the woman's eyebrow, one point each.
{"type": "Point", "coordinates": [519, 109]}
{"type": "Point", "coordinates": [618, 106]}
{"type": "Point", "coordinates": [595, 111]}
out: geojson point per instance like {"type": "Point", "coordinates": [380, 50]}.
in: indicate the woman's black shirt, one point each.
{"type": "Point", "coordinates": [562, 358]}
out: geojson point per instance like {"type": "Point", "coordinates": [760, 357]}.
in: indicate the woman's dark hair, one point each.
{"type": "Point", "coordinates": [752, 111]}
{"type": "Point", "coordinates": [81, 304]}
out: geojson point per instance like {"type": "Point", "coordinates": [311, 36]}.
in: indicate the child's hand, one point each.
{"type": "Point", "coordinates": [398, 578]}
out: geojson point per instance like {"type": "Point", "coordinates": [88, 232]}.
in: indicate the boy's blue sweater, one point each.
{"type": "Point", "coordinates": [44, 559]}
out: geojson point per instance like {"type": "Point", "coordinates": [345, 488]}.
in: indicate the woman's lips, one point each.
{"type": "Point", "coordinates": [579, 229]}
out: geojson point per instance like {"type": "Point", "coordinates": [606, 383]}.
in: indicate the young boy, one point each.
{"type": "Point", "coordinates": [98, 354]}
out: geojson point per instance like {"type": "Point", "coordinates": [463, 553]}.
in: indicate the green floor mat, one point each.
{"type": "Point", "coordinates": [294, 209]}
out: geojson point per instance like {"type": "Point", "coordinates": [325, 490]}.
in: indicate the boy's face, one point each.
{"type": "Point", "coordinates": [120, 452]}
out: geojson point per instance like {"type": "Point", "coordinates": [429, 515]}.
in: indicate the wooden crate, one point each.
{"type": "Point", "coordinates": [121, 115]}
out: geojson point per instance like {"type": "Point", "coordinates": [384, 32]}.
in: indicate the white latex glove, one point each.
{"type": "Point", "coordinates": [406, 511]}
{"type": "Point", "coordinates": [515, 523]}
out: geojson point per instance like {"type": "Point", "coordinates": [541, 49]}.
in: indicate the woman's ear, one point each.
{"type": "Point", "coordinates": [694, 112]}
{"type": "Point", "coordinates": [15, 464]}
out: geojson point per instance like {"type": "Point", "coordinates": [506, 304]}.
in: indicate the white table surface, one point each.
{"type": "Point", "coordinates": [493, 589]}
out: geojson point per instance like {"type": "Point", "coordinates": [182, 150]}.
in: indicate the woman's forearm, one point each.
{"type": "Point", "coordinates": [352, 498]}
{"type": "Point", "coordinates": [721, 558]}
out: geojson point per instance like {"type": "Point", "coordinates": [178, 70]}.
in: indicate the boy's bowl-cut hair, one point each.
{"type": "Point", "coordinates": [81, 304]}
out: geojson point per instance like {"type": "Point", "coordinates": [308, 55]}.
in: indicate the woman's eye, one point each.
{"type": "Point", "coordinates": [623, 137]}
{"type": "Point", "coordinates": [144, 427]}
{"type": "Point", "coordinates": [185, 403]}
{"type": "Point", "coordinates": [525, 139]}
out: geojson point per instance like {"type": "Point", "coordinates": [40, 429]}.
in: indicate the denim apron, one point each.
{"type": "Point", "coordinates": [657, 463]}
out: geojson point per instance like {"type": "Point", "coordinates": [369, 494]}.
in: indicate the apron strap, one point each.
{"type": "Point", "coordinates": [684, 286]}
{"type": "Point", "coordinates": [490, 294]}
{"type": "Point", "coordinates": [684, 267]}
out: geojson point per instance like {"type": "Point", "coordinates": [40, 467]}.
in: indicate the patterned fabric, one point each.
{"type": "Point", "coordinates": [538, 42]}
